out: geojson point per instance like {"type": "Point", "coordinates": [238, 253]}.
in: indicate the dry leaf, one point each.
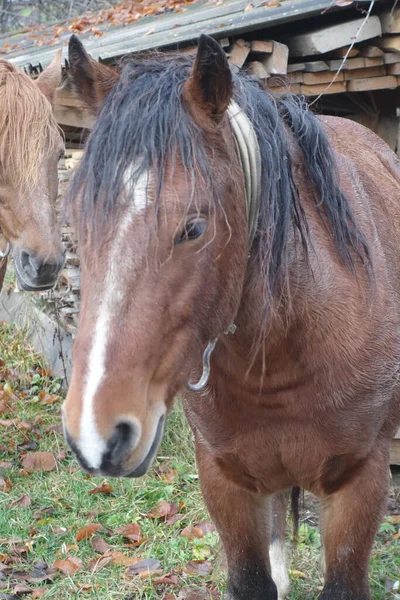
{"type": "Point", "coordinates": [103, 488]}
{"type": "Point", "coordinates": [131, 532]}
{"type": "Point", "coordinates": [167, 579]}
{"type": "Point", "coordinates": [39, 461]}
{"type": "Point", "coordinates": [122, 560]}
{"type": "Point", "coordinates": [99, 545]}
{"type": "Point", "coordinates": [191, 533]}
{"type": "Point", "coordinates": [198, 567]}
{"type": "Point", "coordinates": [21, 588]}
{"type": "Point", "coordinates": [69, 566]}
{"type": "Point", "coordinates": [98, 563]}
{"type": "Point", "coordinates": [163, 511]}
{"type": "Point", "coordinates": [5, 484]}
{"type": "Point", "coordinates": [24, 502]}
{"type": "Point", "coordinates": [87, 531]}
{"type": "Point", "coordinates": [174, 519]}
{"type": "Point", "coordinates": [28, 446]}
{"type": "Point", "coordinates": [38, 593]}
{"type": "Point", "coordinates": [144, 568]}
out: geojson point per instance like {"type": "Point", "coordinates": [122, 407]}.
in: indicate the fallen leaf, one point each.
{"type": "Point", "coordinates": [167, 579]}
{"type": "Point", "coordinates": [5, 484]}
{"type": "Point", "coordinates": [87, 531]}
{"type": "Point", "coordinates": [28, 446]}
{"type": "Point", "coordinates": [198, 567]}
{"type": "Point", "coordinates": [38, 593]}
{"type": "Point", "coordinates": [297, 574]}
{"type": "Point", "coordinates": [131, 532]}
{"type": "Point", "coordinates": [23, 502]}
{"type": "Point", "coordinates": [122, 560]}
{"type": "Point", "coordinates": [164, 511]}
{"type": "Point", "coordinates": [68, 566]}
{"type": "Point", "coordinates": [395, 519]}
{"type": "Point", "coordinates": [205, 527]}
{"type": "Point", "coordinates": [144, 568]}
{"type": "Point", "coordinates": [98, 563]}
{"type": "Point", "coordinates": [194, 594]}
{"type": "Point", "coordinates": [191, 533]}
{"type": "Point", "coordinates": [5, 465]}
{"type": "Point", "coordinates": [39, 461]}
{"type": "Point", "coordinates": [21, 588]}
{"type": "Point", "coordinates": [99, 545]}
{"type": "Point", "coordinates": [174, 519]}
{"type": "Point", "coordinates": [103, 488]}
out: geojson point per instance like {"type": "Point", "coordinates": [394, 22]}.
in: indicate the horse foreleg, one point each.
{"type": "Point", "coordinates": [351, 518]}
{"type": "Point", "coordinates": [277, 550]}
{"type": "Point", "coordinates": [242, 522]}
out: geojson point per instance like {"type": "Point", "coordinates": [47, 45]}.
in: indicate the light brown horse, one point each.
{"type": "Point", "coordinates": [211, 214]}
{"type": "Point", "coordinates": [30, 146]}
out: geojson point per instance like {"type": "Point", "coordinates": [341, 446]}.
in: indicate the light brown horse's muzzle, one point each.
{"type": "Point", "coordinates": [124, 454]}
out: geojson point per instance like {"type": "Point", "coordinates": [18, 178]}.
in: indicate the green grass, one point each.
{"type": "Point", "coordinates": [61, 504]}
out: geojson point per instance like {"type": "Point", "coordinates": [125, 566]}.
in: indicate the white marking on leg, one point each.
{"type": "Point", "coordinates": [279, 572]}
{"type": "Point", "coordinates": [91, 443]}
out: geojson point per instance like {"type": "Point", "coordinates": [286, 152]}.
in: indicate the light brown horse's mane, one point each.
{"type": "Point", "coordinates": [27, 125]}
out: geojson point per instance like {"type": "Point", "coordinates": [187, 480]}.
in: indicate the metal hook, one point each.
{"type": "Point", "coordinates": [201, 384]}
{"type": "Point", "coordinates": [6, 252]}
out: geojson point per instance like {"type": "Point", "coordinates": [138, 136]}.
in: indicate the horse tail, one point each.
{"type": "Point", "coordinates": [295, 497]}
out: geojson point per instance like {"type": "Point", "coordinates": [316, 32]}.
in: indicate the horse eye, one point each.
{"type": "Point", "coordinates": [192, 231]}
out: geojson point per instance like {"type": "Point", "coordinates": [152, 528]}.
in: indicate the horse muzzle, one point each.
{"type": "Point", "coordinates": [36, 273]}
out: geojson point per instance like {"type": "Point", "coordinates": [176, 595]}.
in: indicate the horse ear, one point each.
{"type": "Point", "coordinates": [92, 80]}
{"type": "Point", "coordinates": [50, 79]}
{"type": "Point", "coordinates": [210, 86]}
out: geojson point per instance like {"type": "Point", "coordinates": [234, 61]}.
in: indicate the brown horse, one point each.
{"type": "Point", "coordinates": [30, 146]}
{"type": "Point", "coordinates": [212, 214]}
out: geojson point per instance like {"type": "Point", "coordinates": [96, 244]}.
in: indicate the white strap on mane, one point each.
{"type": "Point", "coordinates": [249, 153]}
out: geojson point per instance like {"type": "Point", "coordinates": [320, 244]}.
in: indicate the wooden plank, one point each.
{"type": "Point", "coordinates": [239, 52]}
{"type": "Point", "coordinates": [296, 77]}
{"type": "Point", "coordinates": [351, 63]}
{"type": "Point", "coordinates": [374, 62]}
{"type": "Point", "coordinates": [296, 67]}
{"type": "Point", "coordinates": [390, 21]}
{"type": "Point", "coordinates": [372, 83]}
{"type": "Point", "coordinates": [322, 77]}
{"type": "Point", "coordinates": [73, 117]}
{"type": "Point", "coordinates": [264, 47]}
{"type": "Point", "coordinates": [397, 436]}
{"type": "Point", "coordinates": [391, 43]}
{"type": "Point", "coordinates": [315, 66]}
{"type": "Point", "coordinates": [390, 58]}
{"type": "Point", "coordinates": [316, 90]}
{"type": "Point", "coordinates": [332, 37]}
{"type": "Point", "coordinates": [395, 452]}
{"type": "Point", "coordinates": [276, 63]}
{"type": "Point", "coordinates": [295, 89]}
{"type": "Point", "coordinates": [257, 69]}
{"type": "Point", "coordinates": [371, 52]}
{"type": "Point", "coordinates": [342, 52]}
{"type": "Point", "coordinates": [364, 73]}
{"type": "Point", "coordinates": [394, 69]}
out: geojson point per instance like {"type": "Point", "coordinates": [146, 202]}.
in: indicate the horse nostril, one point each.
{"type": "Point", "coordinates": [121, 443]}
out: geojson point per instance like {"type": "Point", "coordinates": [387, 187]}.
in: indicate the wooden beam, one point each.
{"type": "Point", "coordinates": [390, 21]}
{"type": "Point", "coordinates": [257, 69]}
{"type": "Point", "coordinates": [239, 52]}
{"type": "Point", "coordinates": [322, 77]}
{"type": "Point", "coordinates": [315, 90]}
{"type": "Point", "coordinates": [261, 46]}
{"type": "Point", "coordinates": [276, 63]}
{"type": "Point", "coordinates": [391, 43]}
{"type": "Point", "coordinates": [372, 83]}
{"type": "Point", "coordinates": [364, 73]}
{"type": "Point", "coordinates": [332, 37]}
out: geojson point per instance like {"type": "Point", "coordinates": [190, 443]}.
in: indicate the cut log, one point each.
{"type": "Point", "coordinates": [372, 83]}
{"type": "Point", "coordinates": [324, 88]}
{"type": "Point", "coordinates": [262, 47]}
{"type": "Point", "coordinates": [322, 77]}
{"type": "Point", "coordinates": [239, 52]}
{"type": "Point", "coordinates": [364, 73]}
{"type": "Point", "coordinates": [390, 21]}
{"type": "Point", "coordinates": [351, 63]}
{"type": "Point", "coordinates": [257, 69]}
{"type": "Point", "coordinates": [391, 43]}
{"type": "Point", "coordinates": [276, 63]}
{"type": "Point", "coordinates": [315, 66]}
{"type": "Point", "coordinates": [332, 37]}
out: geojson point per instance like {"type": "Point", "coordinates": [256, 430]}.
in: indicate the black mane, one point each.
{"type": "Point", "coordinates": [143, 120]}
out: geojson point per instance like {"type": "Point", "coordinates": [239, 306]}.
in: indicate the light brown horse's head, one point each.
{"type": "Point", "coordinates": [158, 202]}
{"type": "Point", "coordinates": [30, 147]}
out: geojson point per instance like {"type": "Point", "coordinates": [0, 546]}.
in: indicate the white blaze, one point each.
{"type": "Point", "coordinates": [91, 444]}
